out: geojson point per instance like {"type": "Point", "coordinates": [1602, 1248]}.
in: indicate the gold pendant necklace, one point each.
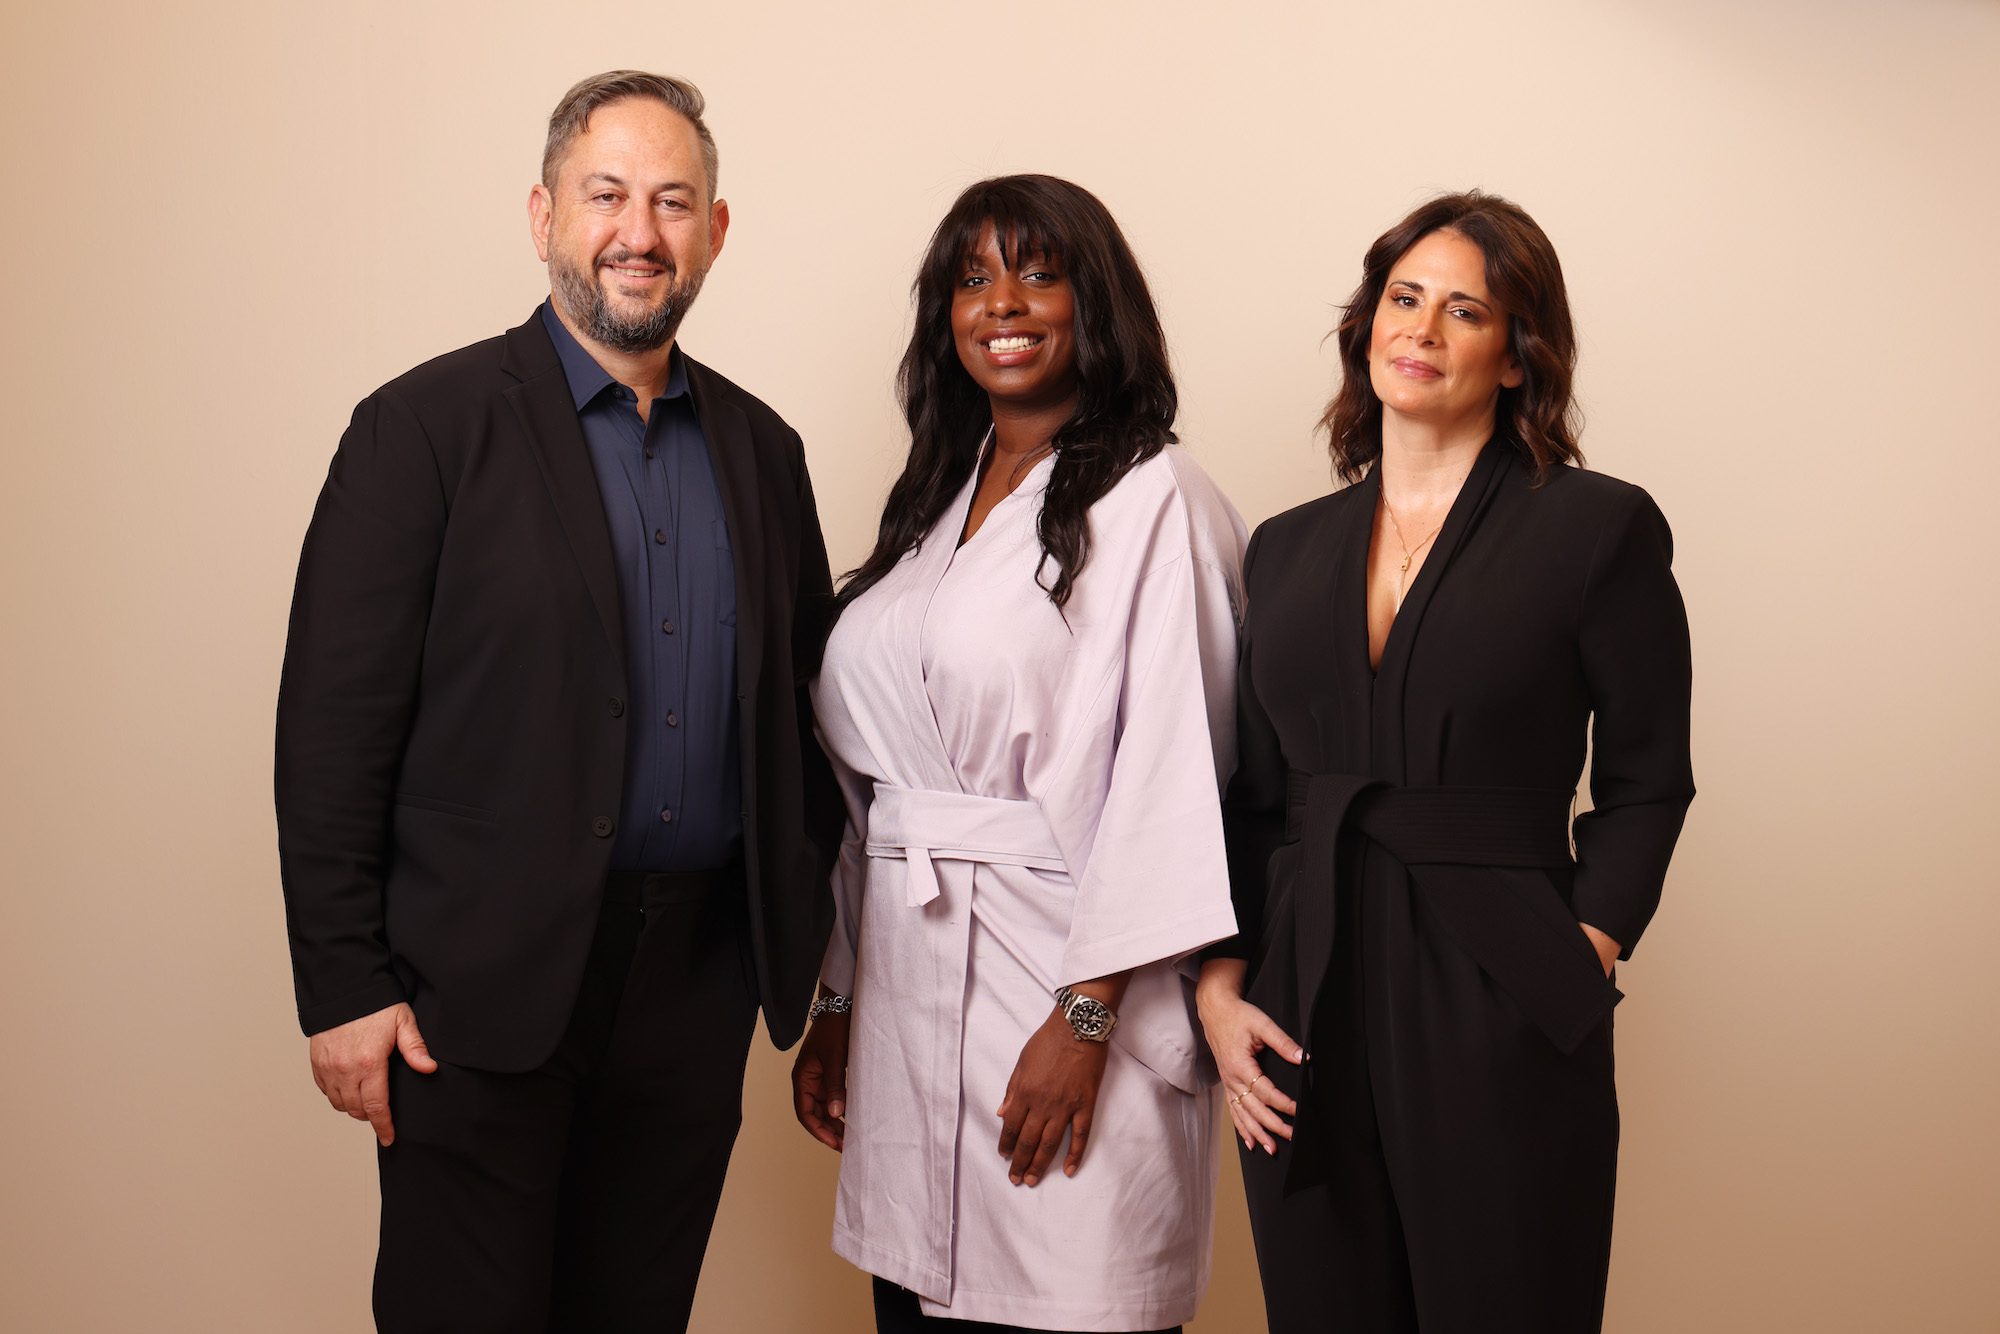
{"type": "Point", "coordinates": [1409, 552]}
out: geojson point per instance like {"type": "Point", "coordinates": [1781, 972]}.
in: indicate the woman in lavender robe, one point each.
{"type": "Point", "coordinates": [1028, 698]}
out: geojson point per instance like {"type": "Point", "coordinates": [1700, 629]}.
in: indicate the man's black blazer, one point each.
{"type": "Point", "coordinates": [451, 738]}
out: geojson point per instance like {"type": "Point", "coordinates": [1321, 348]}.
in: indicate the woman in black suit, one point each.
{"type": "Point", "coordinates": [1428, 655]}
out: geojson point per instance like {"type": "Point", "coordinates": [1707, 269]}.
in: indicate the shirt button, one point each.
{"type": "Point", "coordinates": [667, 627]}
{"type": "Point", "coordinates": [601, 826]}
{"type": "Point", "coordinates": [617, 706]}
{"type": "Point", "coordinates": [673, 719]}
{"type": "Point", "coordinates": [660, 536]}
{"type": "Point", "coordinates": [649, 451]}
{"type": "Point", "coordinates": [666, 817]}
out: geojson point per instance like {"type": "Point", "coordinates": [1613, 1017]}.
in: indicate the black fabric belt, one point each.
{"type": "Point", "coordinates": [658, 889]}
{"type": "Point", "coordinates": [1455, 844]}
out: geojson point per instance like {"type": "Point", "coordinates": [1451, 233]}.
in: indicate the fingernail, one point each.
{"type": "Point", "coordinates": [1299, 1055]}
{"type": "Point", "coordinates": [1031, 1180]}
{"type": "Point", "coordinates": [836, 1109]}
{"type": "Point", "coordinates": [1011, 1177]}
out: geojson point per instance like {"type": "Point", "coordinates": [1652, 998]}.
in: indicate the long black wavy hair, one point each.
{"type": "Point", "coordinates": [1126, 400]}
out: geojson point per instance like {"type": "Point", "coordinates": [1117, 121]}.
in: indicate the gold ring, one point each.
{"type": "Point", "coordinates": [1254, 1083]}
{"type": "Point", "coordinates": [1236, 1101]}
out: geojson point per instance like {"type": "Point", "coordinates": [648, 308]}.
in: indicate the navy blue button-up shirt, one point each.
{"type": "Point", "coordinates": [677, 588]}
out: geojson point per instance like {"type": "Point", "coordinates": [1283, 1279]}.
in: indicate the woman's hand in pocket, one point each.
{"type": "Point", "coordinates": [1607, 949]}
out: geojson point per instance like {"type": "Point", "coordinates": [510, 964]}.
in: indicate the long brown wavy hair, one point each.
{"type": "Point", "coordinates": [1540, 417]}
{"type": "Point", "coordinates": [1126, 400]}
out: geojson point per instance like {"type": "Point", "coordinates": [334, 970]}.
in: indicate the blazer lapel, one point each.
{"type": "Point", "coordinates": [542, 401]}
{"type": "Point", "coordinates": [732, 451]}
{"type": "Point", "coordinates": [1353, 676]}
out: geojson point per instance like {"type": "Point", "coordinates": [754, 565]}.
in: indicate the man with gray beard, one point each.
{"type": "Point", "coordinates": [552, 824]}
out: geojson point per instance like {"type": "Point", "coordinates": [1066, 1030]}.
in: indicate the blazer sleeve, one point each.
{"type": "Point", "coordinates": [1253, 807]}
{"type": "Point", "coordinates": [345, 701]}
{"type": "Point", "coordinates": [1637, 667]}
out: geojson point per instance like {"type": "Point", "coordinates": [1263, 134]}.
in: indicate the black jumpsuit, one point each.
{"type": "Point", "coordinates": [1402, 866]}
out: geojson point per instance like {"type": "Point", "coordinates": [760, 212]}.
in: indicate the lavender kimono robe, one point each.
{"type": "Point", "coordinates": [1032, 804]}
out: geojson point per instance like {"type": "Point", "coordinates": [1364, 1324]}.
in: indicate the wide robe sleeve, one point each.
{"type": "Point", "coordinates": [1155, 885]}
{"type": "Point", "coordinates": [1636, 660]}
{"type": "Point", "coordinates": [849, 881]}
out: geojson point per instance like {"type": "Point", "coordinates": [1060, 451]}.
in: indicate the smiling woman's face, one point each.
{"type": "Point", "coordinates": [1015, 329]}
{"type": "Point", "coordinates": [1438, 352]}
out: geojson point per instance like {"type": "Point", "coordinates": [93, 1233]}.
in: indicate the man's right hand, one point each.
{"type": "Point", "coordinates": [351, 1064]}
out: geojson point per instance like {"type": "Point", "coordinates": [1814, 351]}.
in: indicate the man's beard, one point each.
{"type": "Point", "coordinates": [584, 299]}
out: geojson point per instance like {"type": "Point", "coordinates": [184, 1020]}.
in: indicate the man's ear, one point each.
{"type": "Point", "coordinates": [541, 211]}
{"type": "Point", "coordinates": [718, 227]}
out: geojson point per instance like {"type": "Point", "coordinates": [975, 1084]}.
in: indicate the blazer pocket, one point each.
{"type": "Point", "coordinates": [439, 806]}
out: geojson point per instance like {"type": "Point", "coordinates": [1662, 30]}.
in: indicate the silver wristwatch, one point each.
{"type": "Point", "coordinates": [829, 1004]}
{"type": "Point", "coordinates": [1090, 1019]}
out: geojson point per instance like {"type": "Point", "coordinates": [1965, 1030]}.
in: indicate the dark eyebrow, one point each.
{"type": "Point", "coordinates": [1455, 296]}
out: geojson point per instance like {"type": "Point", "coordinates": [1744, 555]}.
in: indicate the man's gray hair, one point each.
{"type": "Point", "coordinates": [572, 115]}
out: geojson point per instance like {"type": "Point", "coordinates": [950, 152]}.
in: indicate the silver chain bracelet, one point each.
{"type": "Point", "coordinates": [829, 1004]}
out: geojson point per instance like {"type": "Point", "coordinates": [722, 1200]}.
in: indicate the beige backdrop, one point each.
{"type": "Point", "coordinates": [227, 222]}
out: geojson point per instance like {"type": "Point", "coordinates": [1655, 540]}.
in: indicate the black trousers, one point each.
{"type": "Point", "coordinates": [579, 1195]}
{"type": "Point", "coordinates": [1469, 1164]}
{"type": "Point", "coordinates": [898, 1312]}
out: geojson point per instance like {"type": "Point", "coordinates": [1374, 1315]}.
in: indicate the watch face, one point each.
{"type": "Point", "coordinates": [1089, 1019]}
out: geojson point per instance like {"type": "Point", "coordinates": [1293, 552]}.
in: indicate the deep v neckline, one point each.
{"type": "Point", "coordinates": [1471, 493]}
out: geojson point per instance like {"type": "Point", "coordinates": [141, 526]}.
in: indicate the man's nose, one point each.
{"type": "Point", "coordinates": [638, 228]}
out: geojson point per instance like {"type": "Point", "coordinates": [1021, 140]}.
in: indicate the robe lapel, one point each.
{"type": "Point", "coordinates": [927, 571]}
{"type": "Point", "coordinates": [732, 453]}
{"type": "Point", "coordinates": [1386, 731]}
{"type": "Point", "coordinates": [543, 404]}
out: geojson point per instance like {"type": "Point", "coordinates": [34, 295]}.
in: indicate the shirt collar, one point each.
{"type": "Point", "coordinates": [586, 378]}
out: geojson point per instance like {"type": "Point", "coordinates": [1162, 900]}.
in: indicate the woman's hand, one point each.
{"type": "Point", "coordinates": [819, 1080]}
{"type": "Point", "coordinates": [1237, 1031]}
{"type": "Point", "coordinates": [1053, 1089]}
{"type": "Point", "coordinates": [1607, 949]}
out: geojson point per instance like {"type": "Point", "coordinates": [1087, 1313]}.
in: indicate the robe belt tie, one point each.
{"type": "Point", "coordinates": [919, 826]}
{"type": "Point", "coordinates": [1456, 845]}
